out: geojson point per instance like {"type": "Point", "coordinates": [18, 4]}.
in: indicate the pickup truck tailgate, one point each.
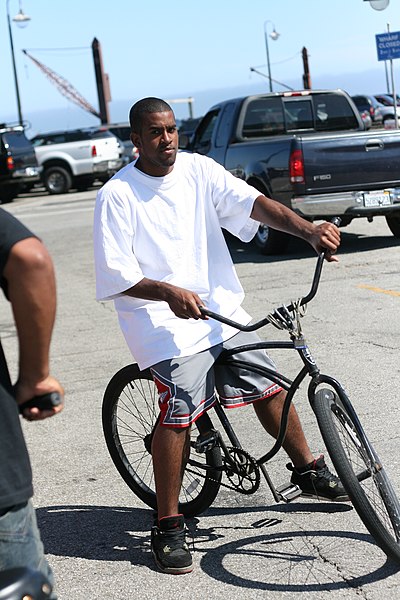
{"type": "Point", "coordinates": [354, 161]}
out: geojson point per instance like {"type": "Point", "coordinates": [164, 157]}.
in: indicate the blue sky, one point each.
{"type": "Point", "coordinates": [178, 49]}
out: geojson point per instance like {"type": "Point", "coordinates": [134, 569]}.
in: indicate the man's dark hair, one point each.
{"type": "Point", "coordinates": [146, 105]}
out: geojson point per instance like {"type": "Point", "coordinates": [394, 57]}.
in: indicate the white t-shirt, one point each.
{"type": "Point", "coordinates": [169, 229]}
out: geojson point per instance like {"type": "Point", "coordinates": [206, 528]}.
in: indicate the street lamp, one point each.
{"type": "Point", "coordinates": [274, 36]}
{"type": "Point", "coordinates": [22, 20]}
{"type": "Point", "coordinates": [378, 4]}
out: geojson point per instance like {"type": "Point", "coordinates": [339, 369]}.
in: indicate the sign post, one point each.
{"type": "Point", "coordinates": [388, 48]}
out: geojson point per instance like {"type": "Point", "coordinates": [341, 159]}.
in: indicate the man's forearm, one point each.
{"type": "Point", "coordinates": [183, 303]}
{"type": "Point", "coordinates": [325, 236]}
{"type": "Point", "coordinates": [32, 293]}
{"type": "Point", "coordinates": [278, 216]}
{"type": "Point", "coordinates": [150, 289]}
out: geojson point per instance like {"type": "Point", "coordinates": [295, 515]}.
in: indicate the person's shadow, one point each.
{"type": "Point", "coordinates": [96, 532]}
{"type": "Point", "coordinates": [108, 533]}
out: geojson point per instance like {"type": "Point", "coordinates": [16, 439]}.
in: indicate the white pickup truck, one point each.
{"type": "Point", "coordinates": [77, 158]}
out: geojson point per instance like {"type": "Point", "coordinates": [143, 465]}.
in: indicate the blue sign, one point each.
{"type": "Point", "coordinates": [388, 45]}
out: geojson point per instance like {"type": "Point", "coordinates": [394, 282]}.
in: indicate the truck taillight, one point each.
{"type": "Point", "coordinates": [10, 163]}
{"type": "Point", "coordinates": [94, 151]}
{"type": "Point", "coordinates": [296, 167]}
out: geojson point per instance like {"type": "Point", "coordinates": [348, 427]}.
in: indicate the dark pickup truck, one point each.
{"type": "Point", "coordinates": [19, 168]}
{"type": "Point", "coordinates": [309, 150]}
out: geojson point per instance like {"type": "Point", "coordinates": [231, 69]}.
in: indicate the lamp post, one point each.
{"type": "Point", "coordinates": [274, 36]}
{"type": "Point", "coordinates": [378, 4]}
{"type": "Point", "coordinates": [21, 19]}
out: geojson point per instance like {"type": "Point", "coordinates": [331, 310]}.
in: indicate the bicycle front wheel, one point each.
{"type": "Point", "coordinates": [360, 470]}
{"type": "Point", "coordinates": [130, 411]}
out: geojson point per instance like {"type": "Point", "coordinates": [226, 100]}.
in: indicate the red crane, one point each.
{"type": "Point", "coordinates": [68, 90]}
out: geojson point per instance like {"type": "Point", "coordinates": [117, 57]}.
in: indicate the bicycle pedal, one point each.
{"type": "Point", "coordinates": [206, 441]}
{"type": "Point", "coordinates": [289, 492]}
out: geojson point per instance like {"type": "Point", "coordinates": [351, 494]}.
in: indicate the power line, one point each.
{"type": "Point", "coordinates": [57, 49]}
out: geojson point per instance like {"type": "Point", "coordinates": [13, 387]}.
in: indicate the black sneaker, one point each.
{"type": "Point", "coordinates": [169, 547]}
{"type": "Point", "coordinates": [316, 481]}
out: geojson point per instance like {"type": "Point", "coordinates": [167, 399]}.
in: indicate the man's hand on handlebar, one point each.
{"type": "Point", "coordinates": [326, 237]}
{"type": "Point", "coordinates": [184, 303]}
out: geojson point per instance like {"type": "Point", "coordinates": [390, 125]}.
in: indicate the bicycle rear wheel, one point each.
{"type": "Point", "coordinates": [360, 471]}
{"type": "Point", "coordinates": [130, 411]}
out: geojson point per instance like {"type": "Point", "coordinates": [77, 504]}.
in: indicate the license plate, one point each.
{"type": "Point", "coordinates": [377, 199]}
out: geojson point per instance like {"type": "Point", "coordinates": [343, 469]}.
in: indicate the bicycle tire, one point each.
{"type": "Point", "coordinates": [129, 413]}
{"type": "Point", "coordinates": [360, 471]}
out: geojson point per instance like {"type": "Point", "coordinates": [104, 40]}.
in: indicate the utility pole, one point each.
{"type": "Point", "coordinates": [306, 71]}
{"type": "Point", "coordinates": [102, 82]}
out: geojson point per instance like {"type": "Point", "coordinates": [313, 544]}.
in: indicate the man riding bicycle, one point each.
{"type": "Point", "coordinates": [160, 254]}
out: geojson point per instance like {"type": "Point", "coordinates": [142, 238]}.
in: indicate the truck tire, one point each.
{"type": "Point", "coordinates": [393, 222]}
{"type": "Point", "coordinates": [270, 241]}
{"type": "Point", "coordinates": [57, 180]}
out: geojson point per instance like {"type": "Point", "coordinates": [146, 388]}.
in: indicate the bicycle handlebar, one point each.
{"type": "Point", "coordinates": [313, 290]}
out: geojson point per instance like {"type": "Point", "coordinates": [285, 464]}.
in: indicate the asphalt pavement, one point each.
{"type": "Point", "coordinates": [96, 532]}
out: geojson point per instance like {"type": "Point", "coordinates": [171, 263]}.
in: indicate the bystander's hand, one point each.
{"type": "Point", "coordinates": [25, 391]}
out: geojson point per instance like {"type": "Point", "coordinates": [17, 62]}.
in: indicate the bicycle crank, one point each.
{"type": "Point", "coordinates": [242, 470]}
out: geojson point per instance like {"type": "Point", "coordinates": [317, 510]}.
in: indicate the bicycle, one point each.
{"type": "Point", "coordinates": [130, 412]}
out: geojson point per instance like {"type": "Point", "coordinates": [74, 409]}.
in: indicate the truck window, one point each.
{"type": "Point", "coordinates": [204, 133]}
{"type": "Point", "coordinates": [320, 112]}
{"type": "Point", "coordinates": [225, 125]}
{"type": "Point", "coordinates": [299, 114]}
{"type": "Point", "coordinates": [263, 117]}
{"type": "Point", "coordinates": [333, 112]}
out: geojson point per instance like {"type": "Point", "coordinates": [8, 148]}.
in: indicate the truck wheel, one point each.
{"type": "Point", "coordinates": [271, 241]}
{"type": "Point", "coordinates": [393, 222]}
{"type": "Point", "coordinates": [57, 180]}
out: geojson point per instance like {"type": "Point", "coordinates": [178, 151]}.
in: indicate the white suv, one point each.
{"type": "Point", "coordinates": [77, 158]}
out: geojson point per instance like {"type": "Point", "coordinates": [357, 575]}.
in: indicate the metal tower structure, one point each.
{"type": "Point", "coordinates": [68, 90]}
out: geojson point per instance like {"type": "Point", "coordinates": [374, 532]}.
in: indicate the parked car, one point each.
{"type": "Point", "coordinates": [366, 117]}
{"type": "Point", "coordinates": [388, 106]}
{"type": "Point", "coordinates": [18, 164]}
{"type": "Point", "coordinates": [77, 158]}
{"type": "Point", "coordinates": [123, 133]}
{"type": "Point", "coordinates": [371, 105]}
{"type": "Point", "coordinates": [387, 99]}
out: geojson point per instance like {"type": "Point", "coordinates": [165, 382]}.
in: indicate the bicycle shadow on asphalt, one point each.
{"type": "Point", "coordinates": [107, 533]}
{"type": "Point", "coordinates": [291, 565]}
{"type": "Point", "coordinates": [298, 249]}
{"type": "Point", "coordinates": [288, 552]}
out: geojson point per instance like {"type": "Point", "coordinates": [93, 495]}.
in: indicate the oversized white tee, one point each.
{"type": "Point", "coordinates": [169, 229]}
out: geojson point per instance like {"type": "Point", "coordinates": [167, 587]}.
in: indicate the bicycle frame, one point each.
{"type": "Point", "coordinates": [290, 386]}
{"type": "Point", "coordinates": [284, 318]}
